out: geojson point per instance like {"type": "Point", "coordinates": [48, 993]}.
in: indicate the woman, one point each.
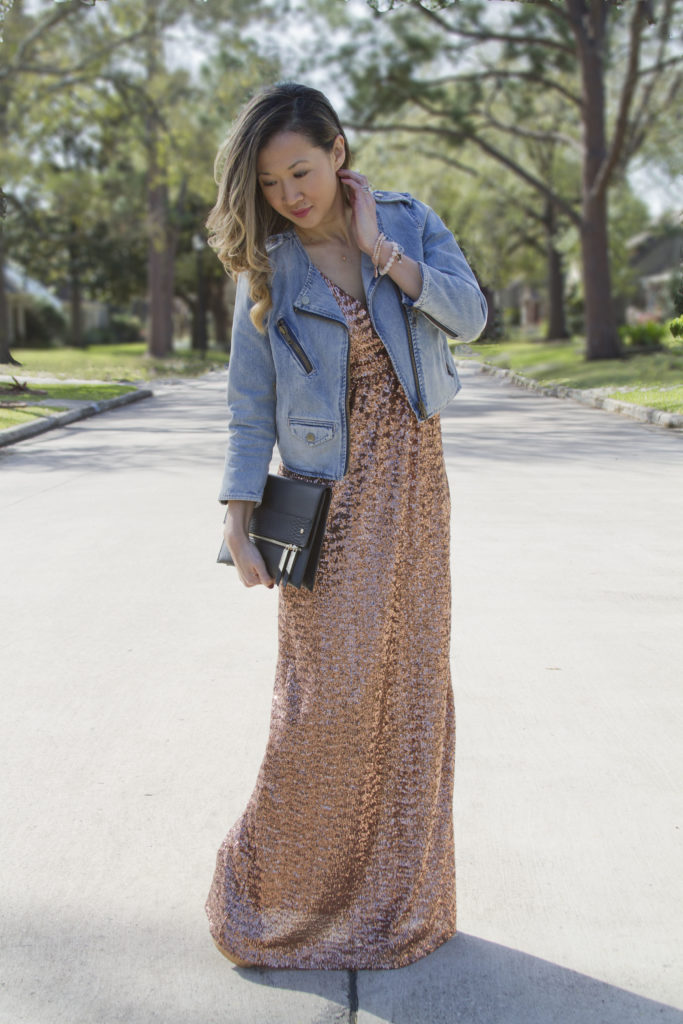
{"type": "Point", "coordinates": [344, 855]}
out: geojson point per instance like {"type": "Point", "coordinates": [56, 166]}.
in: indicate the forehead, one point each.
{"type": "Point", "coordinates": [284, 150]}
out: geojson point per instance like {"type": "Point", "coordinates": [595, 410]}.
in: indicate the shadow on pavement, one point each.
{"type": "Point", "coordinates": [515, 425]}
{"type": "Point", "coordinates": [471, 981]}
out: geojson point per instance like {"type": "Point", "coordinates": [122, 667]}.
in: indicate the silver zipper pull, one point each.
{"type": "Point", "coordinates": [280, 568]}
{"type": "Point", "coordinates": [293, 552]}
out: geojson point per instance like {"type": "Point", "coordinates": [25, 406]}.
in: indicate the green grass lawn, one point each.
{"type": "Point", "coordinates": [128, 362]}
{"type": "Point", "coordinates": [563, 363]}
{"type": "Point", "coordinates": [11, 417]}
{"type": "Point", "coordinates": [16, 407]}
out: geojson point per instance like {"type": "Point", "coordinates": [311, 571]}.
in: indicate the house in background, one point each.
{"type": "Point", "coordinates": [23, 292]}
{"type": "Point", "coordinates": [656, 259]}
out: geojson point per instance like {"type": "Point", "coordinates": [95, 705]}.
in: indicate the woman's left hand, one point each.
{"type": "Point", "coordinates": [364, 220]}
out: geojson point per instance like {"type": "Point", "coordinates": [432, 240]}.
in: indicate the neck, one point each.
{"type": "Point", "coordinates": [335, 228]}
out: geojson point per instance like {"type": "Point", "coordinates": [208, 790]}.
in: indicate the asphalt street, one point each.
{"type": "Point", "coordinates": [136, 686]}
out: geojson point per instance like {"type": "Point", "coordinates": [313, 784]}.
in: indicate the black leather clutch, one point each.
{"type": "Point", "coordinates": [288, 529]}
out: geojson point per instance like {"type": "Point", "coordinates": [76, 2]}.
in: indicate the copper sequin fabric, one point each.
{"type": "Point", "coordinates": [344, 855]}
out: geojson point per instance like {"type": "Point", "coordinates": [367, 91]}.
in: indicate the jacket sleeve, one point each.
{"type": "Point", "coordinates": [251, 406]}
{"type": "Point", "coordinates": [450, 295]}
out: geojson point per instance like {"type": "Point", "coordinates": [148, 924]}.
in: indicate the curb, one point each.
{"type": "Point", "coordinates": [24, 430]}
{"type": "Point", "coordinates": [644, 413]}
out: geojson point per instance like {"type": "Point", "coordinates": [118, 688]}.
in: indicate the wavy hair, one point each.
{"type": "Point", "coordinates": [242, 219]}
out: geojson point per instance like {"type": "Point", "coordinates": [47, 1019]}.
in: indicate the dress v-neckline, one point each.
{"type": "Point", "coordinates": [332, 285]}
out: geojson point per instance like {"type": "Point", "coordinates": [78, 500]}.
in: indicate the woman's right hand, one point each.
{"type": "Point", "coordinates": [248, 560]}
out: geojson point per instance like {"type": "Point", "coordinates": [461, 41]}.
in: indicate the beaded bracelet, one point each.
{"type": "Point", "coordinates": [376, 251]}
{"type": "Point", "coordinates": [396, 254]}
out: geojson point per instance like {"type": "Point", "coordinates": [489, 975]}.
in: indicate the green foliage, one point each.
{"type": "Point", "coordinates": [120, 329]}
{"type": "Point", "coordinates": [45, 326]}
{"type": "Point", "coordinates": [676, 327]}
{"type": "Point", "coordinates": [643, 337]}
{"type": "Point", "coordinates": [112, 362]}
{"type": "Point", "coordinates": [669, 399]}
{"type": "Point", "coordinates": [677, 294]}
{"type": "Point", "coordinates": [77, 109]}
{"type": "Point", "coordinates": [564, 363]}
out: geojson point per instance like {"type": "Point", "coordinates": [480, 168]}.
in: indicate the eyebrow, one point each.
{"type": "Point", "coordinates": [270, 175]}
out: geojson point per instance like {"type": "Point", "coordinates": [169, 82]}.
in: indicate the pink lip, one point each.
{"type": "Point", "coordinates": [301, 213]}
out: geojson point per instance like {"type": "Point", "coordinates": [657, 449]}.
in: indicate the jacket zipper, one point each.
{"type": "Point", "coordinates": [294, 345]}
{"type": "Point", "coordinates": [446, 330]}
{"type": "Point", "coordinates": [420, 403]}
{"type": "Point", "coordinates": [346, 403]}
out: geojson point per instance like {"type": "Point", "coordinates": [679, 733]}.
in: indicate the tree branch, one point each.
{"type": "Point", "coordinates": [660, 67]}
{"type": "Point", "coordinates": [496, 154]}
{"type": "Point", "coordinates": [503, 37]}
{"type": "Point", "coordinates": [627, 92]}
{"type": "Point", "coordinates": [45, 69]}
{"type": "Point", "coordinates": [529, 133]}
{"type": "Point", "coordinates": [496, 73]}
{"type": "Point", "coordinates": [451, 162]}
{"type": "Point", "coordinates": [59, 14]}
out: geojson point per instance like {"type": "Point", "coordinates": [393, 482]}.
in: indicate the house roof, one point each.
{"type": "Point", "coordinates": [19, 282]}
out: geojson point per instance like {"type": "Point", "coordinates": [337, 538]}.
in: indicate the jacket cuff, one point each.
{"type": "Point", "coordinates": [225, 498]}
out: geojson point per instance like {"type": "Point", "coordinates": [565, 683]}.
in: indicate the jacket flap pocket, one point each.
{"type": "Point", "coordinates": [312, 432]}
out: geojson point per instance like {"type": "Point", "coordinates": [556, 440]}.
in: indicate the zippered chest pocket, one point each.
{"type": "Point", "coordinates": [294, 346]}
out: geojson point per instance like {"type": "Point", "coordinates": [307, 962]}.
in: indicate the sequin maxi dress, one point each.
{"type": "Point", "coordinates": [344, 856]}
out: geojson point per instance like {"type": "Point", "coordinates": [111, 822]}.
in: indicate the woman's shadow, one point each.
{"type": "Point", "coordinates": [472, 981]}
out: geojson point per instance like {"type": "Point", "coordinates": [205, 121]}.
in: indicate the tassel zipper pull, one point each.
{"type": "Point", "coordinates": [287, 560]}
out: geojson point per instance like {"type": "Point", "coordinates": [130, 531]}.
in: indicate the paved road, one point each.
{"type": "Point", "coordinates": [136, 693]}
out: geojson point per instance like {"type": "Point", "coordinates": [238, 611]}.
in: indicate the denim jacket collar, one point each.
{"type": "Point", "coordinates": [314, 295]}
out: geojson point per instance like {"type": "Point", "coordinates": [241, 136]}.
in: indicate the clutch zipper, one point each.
{"type": "Point", "coordinates": [286, 563]}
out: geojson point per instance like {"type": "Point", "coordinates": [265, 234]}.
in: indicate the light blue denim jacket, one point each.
{"type": "Point", "coordinates": [290, 385]}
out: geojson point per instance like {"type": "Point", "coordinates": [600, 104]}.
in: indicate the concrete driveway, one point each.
{"type": "Point", "coordinates": [136, 684]}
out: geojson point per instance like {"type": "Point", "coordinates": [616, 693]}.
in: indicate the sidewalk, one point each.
{"type": "Point", "coordinates": [137, 678]}
{"type": "Point", "coordinates": [75, 408]}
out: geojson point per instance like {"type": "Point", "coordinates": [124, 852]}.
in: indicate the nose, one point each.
{"type": "Point", "coordinates": [290, 193]}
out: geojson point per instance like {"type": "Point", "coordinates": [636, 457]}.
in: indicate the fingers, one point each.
{"type": "Point", "coordinates": [256, 574]}
{"type": "Point", "coordinates": [356, 176]}
{"type": "Point", "coordinates": [251, 568]}
{"type": "Point", "coordinates": [363, 207]}
{"type": "Point", "coordinates": [358, 183]}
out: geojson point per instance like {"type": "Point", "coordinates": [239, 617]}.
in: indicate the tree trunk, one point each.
{"type": "Point", "coordinates": [602, 338]}
{"type": "Point", "coordinates": [160, 252]}
{"type": "Point", "coordinates": [557, 323]}
{"type": "Point", "coordinates": [75, 294]}
{"type": "Point", "coordinates": [199, 333]}
{"type": "Point", "coordinates": [219, 313]}
{"type": "Point", "coordinates": [5, 354]}
{"type": "Point", "coordinates": [159, 273]}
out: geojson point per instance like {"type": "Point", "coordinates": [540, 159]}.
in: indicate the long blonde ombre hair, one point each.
{"type": "Point", "coordinates": [242, 219]}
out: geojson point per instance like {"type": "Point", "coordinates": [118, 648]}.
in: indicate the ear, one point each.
{"type": "Point", "coordinates": [339, 152]}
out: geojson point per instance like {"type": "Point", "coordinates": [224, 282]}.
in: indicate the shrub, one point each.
{"type": "Point", "coordinates": [643, 337]}
{"type": "Point", "coordinates": [676, 327]}
{"type": "Point", "coordinates": [120, 329]}
{"type": "Point", "coordinates": [574, 311]}
{"type": "Point", "coordinates": [45, 326]}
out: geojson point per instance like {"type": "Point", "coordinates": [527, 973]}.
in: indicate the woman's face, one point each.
{"type": "Point", "coordinates": [299, 180]}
